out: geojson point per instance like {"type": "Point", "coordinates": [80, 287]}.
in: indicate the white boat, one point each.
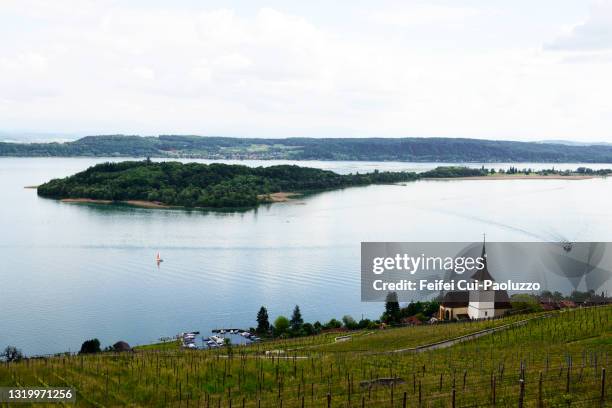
{"type": "Point", "coordinates": [219, 340]}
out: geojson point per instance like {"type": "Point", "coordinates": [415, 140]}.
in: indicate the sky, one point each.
{"type": "Point", "coordinates": [514, 69]}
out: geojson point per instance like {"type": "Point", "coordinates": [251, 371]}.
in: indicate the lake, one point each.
{"type": "Point", "coordinates": [71, 272]}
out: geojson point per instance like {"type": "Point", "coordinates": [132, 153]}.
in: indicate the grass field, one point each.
{"type": "Point", "coordinates": [558, 359]}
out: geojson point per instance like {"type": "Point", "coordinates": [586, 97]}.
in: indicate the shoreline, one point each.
{"type": "Point", "coordinates": [279, 197]}
{"type": "Point", "coordinates": [135, 203]}
{"type": "Point", "coordinates": [518, 177]}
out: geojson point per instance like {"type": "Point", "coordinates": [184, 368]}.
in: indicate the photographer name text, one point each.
{"type": "Point", "coordinates": [449, 285]}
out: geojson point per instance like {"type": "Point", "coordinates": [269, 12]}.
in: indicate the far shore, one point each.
{"type": "Point", "coordinates": [519, 177]}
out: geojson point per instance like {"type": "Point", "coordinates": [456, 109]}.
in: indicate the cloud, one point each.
{"type": "Point", "coordinates": [111, 67]}
{"type": "Point", "coordinates": [423, 14]}
{"type": "Point", "coordinates": [593, 34]}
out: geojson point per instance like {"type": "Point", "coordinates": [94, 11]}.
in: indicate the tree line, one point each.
{"type": "Point", "coordinates": [295, 326]}
{"type": "Point", "coordinates": [379, 149]}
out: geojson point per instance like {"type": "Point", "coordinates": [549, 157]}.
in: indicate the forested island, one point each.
{"type": "Point", "coordinates": [202, 185]}
{"type": "Point", "coordinates": [373, 149]}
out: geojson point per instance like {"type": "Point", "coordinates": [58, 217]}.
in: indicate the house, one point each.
{"type": "Point", "coordinates": [549, 306]}
{"type": "Point", "coordinates": [567, 304]}
{"type": "Point", "coordinates": [475, 304]}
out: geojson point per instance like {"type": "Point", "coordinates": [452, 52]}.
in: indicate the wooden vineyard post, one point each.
{"type": "Point", "coordinates": [493, 390]}
{"type": "Point", "coordinates": [453, 398]}
{"type": "Point", "coordinates": [521, 392]}
{"type": "Point", "coordinates": [603, 386]}
{"type": "Point", "coordinates": [540, 402]}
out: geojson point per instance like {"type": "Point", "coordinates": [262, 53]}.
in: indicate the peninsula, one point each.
{"type": "Point", "coordinates": [195, 185]}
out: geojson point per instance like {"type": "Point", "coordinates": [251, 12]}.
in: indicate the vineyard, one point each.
{"type": "Point", "coordinates": [547, 360]}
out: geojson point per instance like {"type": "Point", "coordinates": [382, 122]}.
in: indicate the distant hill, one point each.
{"type": "Point", "coordinates": [376, 149]}
{"type": "Point", "coordinates": [574, 143]}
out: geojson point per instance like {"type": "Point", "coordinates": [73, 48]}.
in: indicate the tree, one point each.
{"type": "Point", "coordinates": [431, 308]}
{"type": "Point", "coordinates": [333, 324]}
{"type": "Point", "coordinates": [392, 309]}
{"type": "Point", "coordinates": [349, 322]}
{"type": "Point", "coordinates": [12, 353]}
{"type": "Point", "coordinates": [308, 329]}
{"type": "Point", "coordinates": [364, 323]}
{"type": "Point", "coordinates": [281, 325]}
{"type": "Point", "coordinates": [263, 324]}
{"type": "Point", "coordinates": [296, 319]}
{"type": "Point", "coordinates": [90, 346]}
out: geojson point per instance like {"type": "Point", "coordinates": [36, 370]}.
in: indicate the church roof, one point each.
{"type": "Point", "coordinates": [456, 299]}
{"type": "Point", "coordinates": [502, 300]}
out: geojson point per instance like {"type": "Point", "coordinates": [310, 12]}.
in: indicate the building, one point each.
{"type": "Point", "coordinates": [475, 304]}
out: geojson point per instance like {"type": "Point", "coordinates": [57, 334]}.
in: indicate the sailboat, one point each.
{"type": "Point", "coordinates": [158, 259]}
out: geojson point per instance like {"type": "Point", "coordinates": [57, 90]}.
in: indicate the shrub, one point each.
{"type": "Point", "coordinates": [90, 346]}
{"type": "Point", "coordinates": [12, 353]}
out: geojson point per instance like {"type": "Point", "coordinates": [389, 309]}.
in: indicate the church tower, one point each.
{"type": "Point", "coordinates": [482, 302]}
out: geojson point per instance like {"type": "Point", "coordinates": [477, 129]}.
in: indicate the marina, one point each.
{"type": "Point", "coordinates": [220, 338]}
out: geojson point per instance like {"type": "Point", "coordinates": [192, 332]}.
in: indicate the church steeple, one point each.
{"type": "Point", "coordinates": [484, 243]}
{"type": "Point", "coordinates": [483, 274]}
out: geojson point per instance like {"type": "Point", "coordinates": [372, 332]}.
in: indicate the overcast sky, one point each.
{"type": "Point", "coordinates": [514, 69]}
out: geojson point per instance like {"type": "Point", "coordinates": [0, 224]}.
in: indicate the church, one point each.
{"type": "Point", "coordinates": [475, 304]}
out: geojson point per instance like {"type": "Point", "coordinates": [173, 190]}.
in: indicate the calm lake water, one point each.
{"type": "Point", "coordinates": [71, 272]}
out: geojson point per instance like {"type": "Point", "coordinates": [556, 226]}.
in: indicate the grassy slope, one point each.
{"type": "Point", "coordinates": [579, 339]}
{"type": "Point", "coordinates": [163, 346]}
